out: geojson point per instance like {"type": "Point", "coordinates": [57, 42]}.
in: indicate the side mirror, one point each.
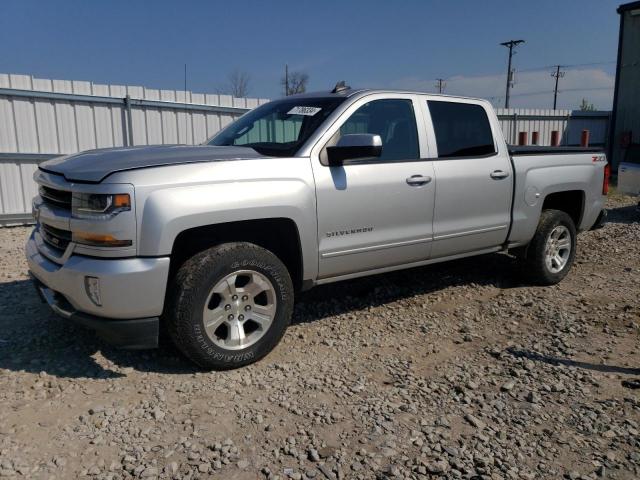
{"type": "Point", "coordinates": [352, 146]}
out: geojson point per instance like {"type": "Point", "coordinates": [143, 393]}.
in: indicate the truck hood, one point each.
{"type": "Point", "coordinates": [95, 165]}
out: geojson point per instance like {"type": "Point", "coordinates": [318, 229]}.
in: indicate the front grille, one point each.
{"type": "Point", "coordinates": [55, 237]}
{"type": "Point", "coordinates": [55, 197]}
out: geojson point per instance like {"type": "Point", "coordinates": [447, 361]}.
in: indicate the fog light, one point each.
{"type": "Point", "coordinates": [92, 287]}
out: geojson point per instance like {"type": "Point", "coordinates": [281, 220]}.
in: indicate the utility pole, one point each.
{"type": "Point", "coordinates": [510, 44]}
{"type": "Point", "coordinates": [286, 80]}
{"type": "Point", "coordinates": [440, 85]}
{"type": "Point", "coordinates": [558, 75]}
{"type": "Point", "coordinates": [186, 112]}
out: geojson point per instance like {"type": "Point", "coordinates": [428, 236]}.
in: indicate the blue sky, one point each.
{"type": "Point", "coordinates": [401, 44]}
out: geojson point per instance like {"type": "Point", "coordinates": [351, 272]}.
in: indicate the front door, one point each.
{"type": "Point", "coordinates": [375, 213]}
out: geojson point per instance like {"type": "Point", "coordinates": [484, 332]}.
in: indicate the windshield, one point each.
{"type": "Point", "coordinates": [278, 128]}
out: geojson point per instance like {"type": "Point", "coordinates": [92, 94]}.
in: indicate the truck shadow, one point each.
{"type": "Point", "coordinates": [625, 215]}
{"type": "Point", "coordinates": [32, 339]}
{"type": "Point", "coordinates": [557, 362]}
{"type": "Point", "coordinates": [500, 271]}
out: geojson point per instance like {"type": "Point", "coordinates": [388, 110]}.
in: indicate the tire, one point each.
{"type": "Point", "coordinates": [557, 232]}
{"type": "Point", "coordinates": [232, 331]}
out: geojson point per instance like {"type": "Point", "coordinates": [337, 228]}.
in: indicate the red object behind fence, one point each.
{"type": "Point", "coordinates": [522, 138]}
{"type": "Point", "coordinates": [535, 138]}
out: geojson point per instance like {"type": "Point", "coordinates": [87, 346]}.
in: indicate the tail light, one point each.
{"type": "Point", "coordinates": [607, 175]}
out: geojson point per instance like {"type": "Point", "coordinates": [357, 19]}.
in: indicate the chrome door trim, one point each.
{"type": "Point", "coordinates": [471, 232]}
{"type": "Point", "coordinates": [375, 247]}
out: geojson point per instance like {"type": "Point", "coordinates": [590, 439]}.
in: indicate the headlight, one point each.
{"type": "Point", "coordinates": [99, 206]}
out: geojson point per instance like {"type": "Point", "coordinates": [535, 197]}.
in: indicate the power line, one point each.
{"type": "Point", "coordinates": [537, 69]}
{"type": "Point", "coordinates": [590, 64]}
{"type": "Point", "coordinates": [510, 44]}
{"type": "Point", "coordinates": [563, 67]}
{"type": "Point", "coordinates": [566, 66]}
{"type": "Point", "coordinates": [546, 92]}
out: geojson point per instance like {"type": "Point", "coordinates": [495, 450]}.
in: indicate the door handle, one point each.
{"type": "Point", "coordinates": [418, 180]}
{"type": "Point", "coordinates": [499, 174]}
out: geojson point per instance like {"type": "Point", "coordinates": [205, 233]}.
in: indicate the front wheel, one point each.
{"type": "Point", "coordinates": [229, 305]}
{"type": "Point", "coordinates": [552, 250]}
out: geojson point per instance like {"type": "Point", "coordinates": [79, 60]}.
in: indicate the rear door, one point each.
{"type": "Point", "coordinates": [377, 212]}
{"type": "Point", "coordinates": [629, 171]}
{"type": "Point", "coordinates": [473, 174]}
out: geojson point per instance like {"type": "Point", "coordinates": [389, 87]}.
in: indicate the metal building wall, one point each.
{"type": "Point", "coordinates": [569, 124]}
{"type": "Point", "coordinates": [41, 118]}
{"type": "Point", "coordinates": [627, 96]}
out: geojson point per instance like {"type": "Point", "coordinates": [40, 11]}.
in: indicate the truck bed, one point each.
{"type": "Point", "coordinates": [571, 175]}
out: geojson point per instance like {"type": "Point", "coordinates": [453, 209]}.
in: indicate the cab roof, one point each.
{"type": "Point", "coordinates": [350, 92]}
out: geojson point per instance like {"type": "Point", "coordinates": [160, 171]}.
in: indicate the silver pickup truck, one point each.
{"type": "Point", "coordinates": [210, 243]}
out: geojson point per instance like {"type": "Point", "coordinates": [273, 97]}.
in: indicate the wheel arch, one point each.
{"type": "Point", "coordinates": [279, 235]}
{"type": "Point", "coordinates": [572, 202]}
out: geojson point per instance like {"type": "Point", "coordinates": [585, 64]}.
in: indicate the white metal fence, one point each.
{"type": "Point", "coordinates": [568, 123]}
{"type": "Point", "coordinates": [41, 118]}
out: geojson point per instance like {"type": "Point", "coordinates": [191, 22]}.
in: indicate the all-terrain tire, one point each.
{"type": "Point", "coordinates": [191, 289]}
{"type": "Point", "coordinates": [539, 266]}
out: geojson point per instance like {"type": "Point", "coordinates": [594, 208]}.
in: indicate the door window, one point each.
{"type": "Point", "coordinates": [392, 119]}
{"type": "Point", "coordinates": [462, 129]}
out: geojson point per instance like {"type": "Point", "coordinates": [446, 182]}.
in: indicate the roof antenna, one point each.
{"type": "Point", "coordinates": [341, 86]}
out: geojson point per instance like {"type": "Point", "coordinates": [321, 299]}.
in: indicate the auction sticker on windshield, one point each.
{"type": "Point", "coordinates": [307, 111]}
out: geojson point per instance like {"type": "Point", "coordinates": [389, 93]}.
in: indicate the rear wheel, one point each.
{"type": "Point", "coordinates": [551, 252]}
{"type": "Point", "coordinates": [230, 305]}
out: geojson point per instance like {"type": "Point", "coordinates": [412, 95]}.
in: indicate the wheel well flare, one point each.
{"type": "Point", "coordinates": [278, 235]}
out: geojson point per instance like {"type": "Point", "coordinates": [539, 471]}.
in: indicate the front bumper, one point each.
{"type": "Point", "coordinates": [138, 333]}
{"type": "Point", "coordinates": [132, 292]}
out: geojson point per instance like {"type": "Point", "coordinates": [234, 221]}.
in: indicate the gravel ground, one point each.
{"type": "Point", "coordinates": [456, 371]}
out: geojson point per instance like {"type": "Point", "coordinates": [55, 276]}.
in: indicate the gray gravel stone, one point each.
{"type": "Point", "coordinates": [459, 371]}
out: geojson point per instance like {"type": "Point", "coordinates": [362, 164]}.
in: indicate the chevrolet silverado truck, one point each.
{"type": "Point", "coordinates": [210, 243]}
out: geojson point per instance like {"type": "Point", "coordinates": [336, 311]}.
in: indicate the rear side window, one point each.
{"type": "Point", "coordinates": [462, 129]}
